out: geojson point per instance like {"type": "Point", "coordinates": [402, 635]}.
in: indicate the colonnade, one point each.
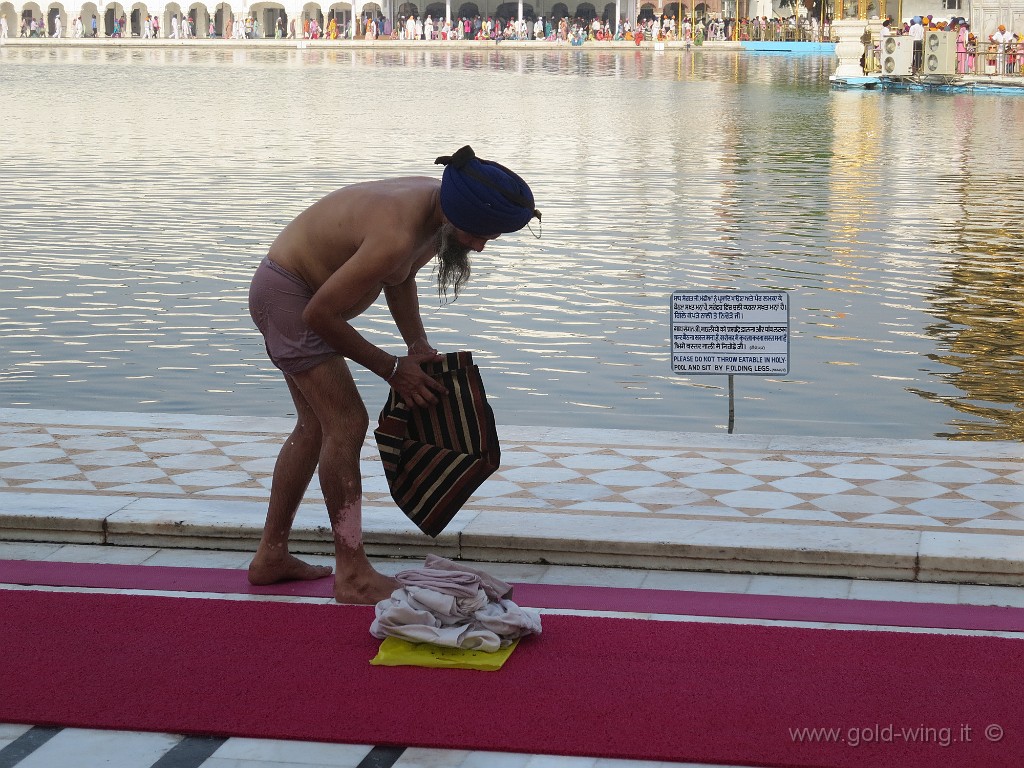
{"type": "Point", "coordinates": [225, 13]}
{"type": "Point", "coordinates": [222, 13]}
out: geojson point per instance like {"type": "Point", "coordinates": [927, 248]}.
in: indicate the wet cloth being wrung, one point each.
{"type": "Point", "coordinates": [452, 605]}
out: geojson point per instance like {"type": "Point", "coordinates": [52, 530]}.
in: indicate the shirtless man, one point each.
{"type": "Point", "coordinates": [324, 270]}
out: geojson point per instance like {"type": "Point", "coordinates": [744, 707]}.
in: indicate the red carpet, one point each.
{"type": "Point", "coordinates": [652, 690]}
{"type": "Point", "coordinates": [663, 601]}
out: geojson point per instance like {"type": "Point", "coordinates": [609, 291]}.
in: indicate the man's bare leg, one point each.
{"type": "Point", "coordinates": [331, 392]}
{"type": "Point", "coordinates": [292, 473]}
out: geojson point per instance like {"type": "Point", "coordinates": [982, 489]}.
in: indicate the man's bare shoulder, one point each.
{"type": "Point", "coordinates": [393, 210]}
{"type": "Point", "coordinates": [401, 192]}
{"type": "Point", "coordinates": [381, 223]}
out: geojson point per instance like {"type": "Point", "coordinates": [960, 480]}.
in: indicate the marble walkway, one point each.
{"type": "Point", "coordinates": [905, 510]}
{"type": "Point", "coordinates": [930, 522]}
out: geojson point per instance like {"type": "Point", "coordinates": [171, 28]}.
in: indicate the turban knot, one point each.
{"type": "Point", "coordinates": [482, 197]}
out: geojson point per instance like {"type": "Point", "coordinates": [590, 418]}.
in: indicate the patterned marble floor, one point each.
{"type": "Point", "coordinates": [932, 510]}
{"type": "Point", "coordinates": [914, 484]}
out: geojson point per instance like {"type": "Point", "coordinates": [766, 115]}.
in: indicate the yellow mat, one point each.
{"type": "Point", "coordinates": [401, 653]}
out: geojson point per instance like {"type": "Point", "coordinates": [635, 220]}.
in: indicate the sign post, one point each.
{"type": "Point", "coordinates": [730, 333]}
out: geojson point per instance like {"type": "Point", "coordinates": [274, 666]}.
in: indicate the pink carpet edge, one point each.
{"type": "Point", "coordinates": [548, 596]}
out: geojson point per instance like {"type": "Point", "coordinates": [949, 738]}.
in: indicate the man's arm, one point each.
{"type": "Point", "coordinates": [338, 299]}
{"type": "Point", "coordinates": [404, 303]}
{"type": "Point", "coordinates": [345, 294]}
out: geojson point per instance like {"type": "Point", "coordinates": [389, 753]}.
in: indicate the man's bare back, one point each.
{"type": "Point", "coordinates": [391, 223]}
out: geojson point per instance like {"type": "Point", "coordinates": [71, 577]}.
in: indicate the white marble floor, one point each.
{"type": "Point", "coordinates": [846, 482]}
{"type": "Point", "coordinates": [26, 746]}
{"type": "Point", "coordinates": [918, 510]}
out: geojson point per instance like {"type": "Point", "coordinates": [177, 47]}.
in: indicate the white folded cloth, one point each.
{"type": "Point", "coordinates": [447, 604]}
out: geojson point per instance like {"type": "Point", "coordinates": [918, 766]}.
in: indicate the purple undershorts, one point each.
{"type": "Point", "coordinates": [277, 299]}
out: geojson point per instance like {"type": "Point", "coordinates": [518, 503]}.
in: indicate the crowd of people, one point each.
{"type": "Point", "coordinates": [1001, 53]}
{"type": "Point", "coordinates": [572, 31]}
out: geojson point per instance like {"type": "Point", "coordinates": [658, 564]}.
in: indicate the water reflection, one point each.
{"type": "Point", "coordinates": [136, 206]}
{"type": "Point", "coordinates": [982, 333]}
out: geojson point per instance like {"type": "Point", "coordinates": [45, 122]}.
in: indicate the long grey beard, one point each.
{"type": "Point", "coordinates": [452, 263]}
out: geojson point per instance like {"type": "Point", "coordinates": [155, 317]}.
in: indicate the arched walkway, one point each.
{"type": "Point", "coordinates": [586, 11]}
{"type": "Point", "coordinates": [223, 20]}
{"type": "Point", "coordinates": [372, 10]}
{"type": "Point", "coordinates": [136, 20]}
{"type": "Point", "coordinates": [310, 11]}
{"type": "Point", "coordinates": [199, 19]}
{"type": "Point", "coordinates": [29, 12]}
{"type": "Point", "coordinates": [510, 10]}
{"type": "Point", "coordinates": [342, 15]}
{"type": "Point", "coordinates": [89, 12]}
{"type": "Point", "coordinates": [54, 12]}
{"type": "Point", "coordinates": [13, 25]}
{"type": "Point", "coordinates": [267, 15]}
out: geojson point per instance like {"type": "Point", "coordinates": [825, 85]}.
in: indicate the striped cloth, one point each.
{"type": "Point", "coordinates": [435, 458]}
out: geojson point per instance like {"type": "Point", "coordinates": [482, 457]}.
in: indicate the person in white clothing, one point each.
{"type": "Point", "coordinates": [428, 29]}
{"type": "Point", "coordinates": [916, 34]}
{"type": "Point", "coordinates": [174, 27]}
{"type": "Point", "coordinates": [1001, 35]}
{"type": "Point", "coordinates": [1002, 38]}
{"type": "Point", "coordinates": [58, 28]}
{"type": "Point", "coordinates": [3, 27]}
{"type": "Point", "coordinates": [77, 28]}
{"type": "Point", "coordinates": [410, 28]}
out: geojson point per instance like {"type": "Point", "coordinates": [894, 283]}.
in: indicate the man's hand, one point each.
{"type": "Point", "coordinates": [414, 386]}
{"type": "Point", "coordinates": [422, 347]}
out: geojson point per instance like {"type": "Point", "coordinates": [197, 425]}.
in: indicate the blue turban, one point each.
{"type": "Point", "coordinates": [483, 198]}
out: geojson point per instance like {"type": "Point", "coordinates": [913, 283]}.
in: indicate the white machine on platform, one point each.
{"type": "Point", "coordinates": [897, 56]}
{"type": "Point", "coordinates": [939, 53]}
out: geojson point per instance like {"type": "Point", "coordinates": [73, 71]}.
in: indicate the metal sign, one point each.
{"type": "Point", "coordinates": [730, 332]}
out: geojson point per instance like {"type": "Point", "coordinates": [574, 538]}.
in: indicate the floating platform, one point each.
{"type": "Point", "coordinates": [978, 84]}
{"type": "Point", "coordinates": [789, 47]}
{"type": "Point", "coordinates": [866, 82]}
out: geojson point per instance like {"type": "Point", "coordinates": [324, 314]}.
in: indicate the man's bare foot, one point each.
{"type": "Point", "coordinates": [364, 589]}
{"type": "Point", "coordinates": [270, 570]}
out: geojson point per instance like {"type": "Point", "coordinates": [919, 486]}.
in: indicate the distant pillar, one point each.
{"type": "Point", "coordinates": [872, 38]}
{"type": "Point", "coordinates": [850, 47]}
